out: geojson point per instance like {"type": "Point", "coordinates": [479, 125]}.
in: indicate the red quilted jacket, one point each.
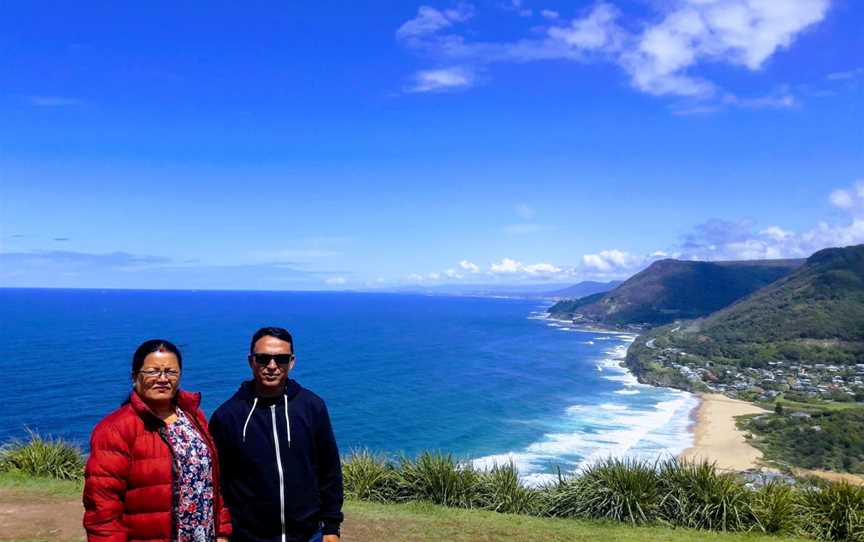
{"type": "Point", "coordinates": [128, 479]}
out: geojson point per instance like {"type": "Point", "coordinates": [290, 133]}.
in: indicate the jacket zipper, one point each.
{"type": "Point", "coordinates": [279, 467]}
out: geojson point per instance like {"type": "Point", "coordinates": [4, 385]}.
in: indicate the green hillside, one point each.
{"type": "Point", "coordinates": [800, 338]}
{"type": "Point", "coordinates": [815, 315]}
{"type": "Point", "coordinates": [670, 290]}
{"type": "Point", "coordinates": [821, 301]}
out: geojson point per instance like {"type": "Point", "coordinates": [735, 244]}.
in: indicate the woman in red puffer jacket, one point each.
{"type": "Point", "coordinates": [153, 473]}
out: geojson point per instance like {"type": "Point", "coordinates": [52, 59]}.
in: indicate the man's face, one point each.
{"type": "Point", "coordinates": [270, 376]}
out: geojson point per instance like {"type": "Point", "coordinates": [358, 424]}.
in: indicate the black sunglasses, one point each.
{"type": "Point", "coordinates": [264, 359]}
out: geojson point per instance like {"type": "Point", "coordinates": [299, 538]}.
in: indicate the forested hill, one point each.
{"type": "Point", "coordinates": [670, 290]}
{"type": "Point", "coordinates": [821, 301]}
{"type": "Point", "coordinates": [797, 333]}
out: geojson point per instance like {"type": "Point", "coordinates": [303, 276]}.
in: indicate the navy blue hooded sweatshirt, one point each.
{"type": "Point", "coordinates": [281, 474]}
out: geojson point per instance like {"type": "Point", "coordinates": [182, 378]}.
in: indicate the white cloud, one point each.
{"type": "Point", "coordinates": [541, 268]}
{"type": "Point", "coordinates": [610, 260]}
{"type": "Point", "coordinates": [849, 199]}
{"type": "Point", "coordinates": [549, 14]}
{"type": "Point", "coordinates": [336, 281]}
{"type": "Point", "coordinates": [783, 101]}
{"type": "Point", "coordinates": [430, 20]}
{"type": "Point", "coordinates": [776, 233]}
{"type": "Point", "coordinates": [424, 278]}
{"type": "Point", "coordinates": [442, 80]}
{"type": "Point", "coordinates": [468, 266]}
{"type": "Point", "coordinates": [738, 32]}
{"type": "Point", "coordinates": [511, 267]}
{"type": "Point", "coordinates": [598, 30]}
{"type": "Point", "coordinates": [841, 199]}
{"type": "Point", "coordinates": [846, 75]}
{"type": "Point", "coordinates": [506, 265]}
{"type": "Point", "coordinates": [453, 274]}
{"type": "Point", "coordinates": [661, 57]}
{"type": "Point", "coordinates": [721, 240]}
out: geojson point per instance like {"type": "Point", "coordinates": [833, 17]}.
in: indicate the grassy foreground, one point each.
{"type": "Point", "coordinates": [616, 494]}
{"type": "Point", "coordinates": [421, 521]}
{"type": "Point", "coordinates": [368, 522]}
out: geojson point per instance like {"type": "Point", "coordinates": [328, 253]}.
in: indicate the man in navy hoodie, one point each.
{"type": "Point", "coordinates": [281, 474]}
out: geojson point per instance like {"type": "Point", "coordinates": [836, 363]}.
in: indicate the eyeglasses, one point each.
{"type": "Point", "coordinates": [280, 359]}
{"type": "Point", "coordinates": [170, 374]}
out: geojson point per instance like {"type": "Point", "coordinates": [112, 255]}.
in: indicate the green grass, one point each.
{"type": "Point", "coordinates": [810, 408]}
{"type": "Point", "coordinates": [669, 495]}
{"type": "Point", "coordinates": [43, 457]}
{"type": "Point", "coordinates": [44, 486]}
{"type": "Point", "coordinates": [432, 523]}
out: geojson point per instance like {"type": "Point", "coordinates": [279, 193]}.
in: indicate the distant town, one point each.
{"type": "Point", "coordinates": [818, 380]}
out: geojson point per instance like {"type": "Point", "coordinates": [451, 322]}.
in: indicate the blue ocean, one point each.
{"type": "Point", "coordinates": [490, 380]}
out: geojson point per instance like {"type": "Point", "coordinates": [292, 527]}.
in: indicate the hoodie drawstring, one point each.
{"type": "Point", "coordinates": [287, 420]}
{"type": "Point", "coordinates": [249, 417]}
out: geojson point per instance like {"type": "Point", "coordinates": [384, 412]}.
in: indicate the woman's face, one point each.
{"type": "Point", "coordinates": [159, 377]}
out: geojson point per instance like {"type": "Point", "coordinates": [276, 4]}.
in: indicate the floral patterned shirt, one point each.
{"type": "Point", "coordinates": [193, 482]}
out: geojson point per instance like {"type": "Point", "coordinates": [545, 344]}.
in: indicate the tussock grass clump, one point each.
{"type": "Point", "coordinates": [369, 477]}
{"type": "Point", "coordinates": [623, 490]}
{"type": "Point", "coordinates": [672, 492]}
{"type": "Point", "coordinates": [695, 495]}
{"type": "Point", "coordinates": [43, 457]}
{"type": "Point", "coordinates": [438, 478]}
{"type": "Point", "coordinates": [776, 508]}
{"type": "Point", "coordinates": [500, 490]}
{"type": "Point", "coordinates": [834, 511]}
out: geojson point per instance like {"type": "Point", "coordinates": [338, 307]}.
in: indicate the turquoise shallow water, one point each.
{"type": "Point", "coordinates": [486, 379]}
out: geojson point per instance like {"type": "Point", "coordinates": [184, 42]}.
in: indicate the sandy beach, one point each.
{"type": "Point", "coordinates": [716, 437]}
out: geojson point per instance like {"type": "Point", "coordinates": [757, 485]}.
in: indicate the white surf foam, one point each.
{"type": "Point", "coordinates": [591, 432]}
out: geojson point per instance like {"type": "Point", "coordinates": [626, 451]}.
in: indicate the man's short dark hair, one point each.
{"type": "Point", "coordinates": [279, 332]}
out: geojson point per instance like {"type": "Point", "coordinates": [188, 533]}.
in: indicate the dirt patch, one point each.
{"type": "Point", "coordinates": [26, 515]}
{"type": "Point", "coordinates": [40, 517]}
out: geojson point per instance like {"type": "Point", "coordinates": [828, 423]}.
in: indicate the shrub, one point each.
{"type": "Point", "coordinates": [41, 457]}
{"type": "Point", "coordinates": [697, 496]}
{"type": "Point", "coordinates": [617, 489]}
{"type": "Point", "coordinates": [776, 508]}
{"type": "Point", "coordinates": [500, 490]}
{"type": "Point", "coordinates": [368, 477]}
{"type": "Point", "coordinates": [834, 512]}
{"type": "Point", "coordinates": [439, 479]}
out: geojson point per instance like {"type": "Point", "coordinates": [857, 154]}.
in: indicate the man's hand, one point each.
{"type": "Point", "coordinates": [221, 539]}
{"type": "Point", "coordinates": [331, 538]}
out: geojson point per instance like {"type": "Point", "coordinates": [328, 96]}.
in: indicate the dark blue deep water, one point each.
{"type": "Point", "coordinates": [486, 379]}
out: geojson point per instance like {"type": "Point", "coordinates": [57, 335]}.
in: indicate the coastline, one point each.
{"type": "Point", "coordinates": [717, 439]}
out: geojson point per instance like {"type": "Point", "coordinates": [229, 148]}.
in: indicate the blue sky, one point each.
{"type": "Point", "coordinates": [353, 145]}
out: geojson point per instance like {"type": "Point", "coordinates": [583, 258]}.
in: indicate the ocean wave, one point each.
{"type": "Point", "coordinates": [644, 421]}
{"type": "Point", "coordinates": [524, 462]}
{"type": "Point", "coordinates": [598, 432]}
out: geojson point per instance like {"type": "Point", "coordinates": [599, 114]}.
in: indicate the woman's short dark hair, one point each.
{"type": "Point", "coordinates": [279, 332]}
{"type": "Point", "coordinates": [154, 345]}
